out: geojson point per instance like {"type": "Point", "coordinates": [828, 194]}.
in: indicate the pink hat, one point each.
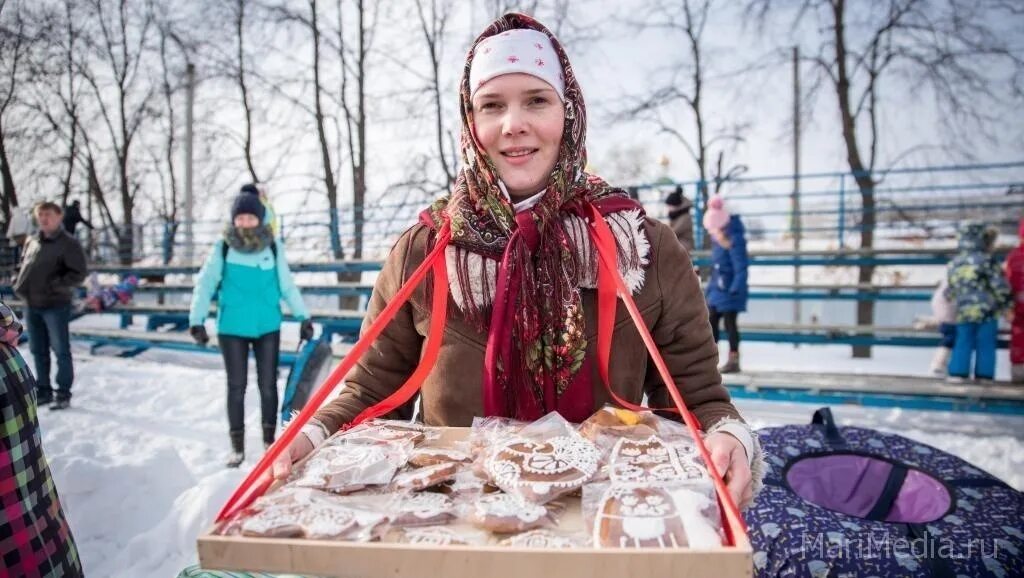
{"type": "Point", "coordinates": [716, 216]}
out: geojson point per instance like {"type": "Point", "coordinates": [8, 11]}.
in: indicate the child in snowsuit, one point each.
{"type": "Point", "coordinates": [35, 539]}
{"type": "Point", "coordinates": [1015, 277]}
{"type": "Point", "coordinates": [979, 290]}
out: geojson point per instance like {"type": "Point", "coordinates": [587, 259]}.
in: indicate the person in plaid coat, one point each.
{"type": "Point", "coordinates": [35, 540]}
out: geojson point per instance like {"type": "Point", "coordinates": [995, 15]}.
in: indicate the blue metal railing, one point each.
{"type": "Point", "coordinates": [922, 202]}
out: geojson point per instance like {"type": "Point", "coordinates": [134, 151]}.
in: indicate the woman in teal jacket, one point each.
{"type": "Point", "coordinates": [249, 274]}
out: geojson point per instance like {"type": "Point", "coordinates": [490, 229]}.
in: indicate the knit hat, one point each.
{"type": "Point", "coordinates": [675, 198]}
{"type": "Point", "coordinates": [716, 216]}
{"type": "Point", "coordinates": [248, 202]}
{"type": "Point", "coordinates": [519, 50]}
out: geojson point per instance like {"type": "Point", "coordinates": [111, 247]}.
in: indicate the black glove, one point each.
{"type": "Point", "coordinates": [198, 332]}
{"type": "Point", "coordinates": [306, 330]}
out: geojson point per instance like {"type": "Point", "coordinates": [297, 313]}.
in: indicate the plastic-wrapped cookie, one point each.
{"type": "Point", "coordinates": [329, 522]}
{"type": "Point", "coordinates": [279, 521]}
{"type": "Point", "coordinates": [346, 468]}
{"type": "Point", "coordinates": [505, 514]}
{"type": "Point", "coordinates": [440, 536]}
{"type": "Point", "coordinates": [432, 456]}
{"type": "Point", "coordinates": [422, 478]}
{"type": "Point", "coordinates": [543, 539]}
{"type": "Point", "coordinates": [382, 431]}
{"type": "Point", "coordinates": [421, 509]}
{"type": "Point", "coordinates": [540, 471]}
{"type": "Point", "coordinates": [648, 461]}
{"type": "Point", "coordinates": [638, 517]}
{"type": "Point", "coordinates": [465, 484]}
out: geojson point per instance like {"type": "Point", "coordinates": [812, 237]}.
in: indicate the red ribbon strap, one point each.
{"type": "Point", "coordinates": [259, 479]}
{"type": "Point", "coordinates": [605, 243]}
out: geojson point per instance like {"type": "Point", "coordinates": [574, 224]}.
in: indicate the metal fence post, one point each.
{"type": "Point", "coordinates": [697, 219]}
{"type": "Point", "coordinates": [842, 211]}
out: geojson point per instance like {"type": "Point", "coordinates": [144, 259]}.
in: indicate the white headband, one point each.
{"type": "Point", "coordinates": [521, 50]}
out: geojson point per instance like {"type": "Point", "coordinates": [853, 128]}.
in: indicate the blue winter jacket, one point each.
{"type": "Point", "coordinates": [249, 289]}
{"type": "Point", "coordinates": [727, 289]}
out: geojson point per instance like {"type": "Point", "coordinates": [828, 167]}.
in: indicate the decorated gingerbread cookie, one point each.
{"type": "Point", "coordinates": [278, 521]}
{"type": "Point", "coordinates": [433, 535]}
{"type": "Point", "coordinates": [543, 539]}
{"type": "Point", "coordinates": [422, 478]}
{"type": "Point", "coordinates": [422, 509]}
{"type": "Point", "coordinates": [345, 468]}
{"type": "Point", "coordinates": [504, 514]}
{"type": "Point", "coordinates": [638, 517]}
{"type": "Point", "coordinates": [432, 456]}
{"type": "Point", "coordinates": [383, 431]}
{"type": "Point", "coordinates": [540, 471]}
{"type": "Point", "coordinates": [648, 461]}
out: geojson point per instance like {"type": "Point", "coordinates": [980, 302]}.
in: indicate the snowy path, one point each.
{"type": "Point", "coordinates": [137, 460]}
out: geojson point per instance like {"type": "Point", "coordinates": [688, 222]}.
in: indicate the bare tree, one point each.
{"type": "Point", "coordinates": [433, 23]}
{"type": "Point", "coordinates": [14, 47]}
{"type": "Point", "coordinates": [945, 47]}
{"type": "Point", "coordinates": [354, 68]}
{"type": "Point", "coordinates": [240, 78]}
{"type": "Point", "coordinates": [122, 49]}
{"type": "Point", "coordinates": [173, 70]}
{"type": "Point", "coordinates": [686, 87]}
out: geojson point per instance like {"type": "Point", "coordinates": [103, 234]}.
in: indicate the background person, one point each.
{"type": "Point", "coordinates": [727, 289]}
{"type": "Point", "coordinates": [52, 266]}
{"type": "Point", "coordinates": [248, 272]}
{"type": "Point", "coordinates": [1015, 278]}
{"type": "Point", "coordinates": [979, 290]}
{"type": "Point", "coordinates": [35, 539]}
{"type": "Point", "coordinates": [680, 217]}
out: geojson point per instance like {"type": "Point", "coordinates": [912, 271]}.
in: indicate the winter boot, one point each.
{"type": "Point", "coordinates": [940, 361]}
{"type": "Point", "coordinates": [268, 435]}
{"type": "Point", "coordinates": [1017, 373]}
{"type": "Point", "coordinates": [733, 365]}
{"type": "Point", "coordinates": [237, 455]}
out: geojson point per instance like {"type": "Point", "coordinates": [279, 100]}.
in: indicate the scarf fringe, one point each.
{"type": "Point", "coordinates": [479, 273]}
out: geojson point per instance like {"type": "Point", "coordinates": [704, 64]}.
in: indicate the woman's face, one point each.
{"type": "Point", "coordinates": [246, 221]}
{"type": "Point", "coordinates": [518, 120]}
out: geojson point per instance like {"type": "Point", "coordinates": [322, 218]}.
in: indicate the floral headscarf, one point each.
{"type": "Point", "coordinates": [536, 335]}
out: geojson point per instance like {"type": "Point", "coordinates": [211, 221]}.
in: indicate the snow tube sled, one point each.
{"type": "Point", "coordinates": [851, 501]}
{"type": "Point", "coordinates": [309, 371]}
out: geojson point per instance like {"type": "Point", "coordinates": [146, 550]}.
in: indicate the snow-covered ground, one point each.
{"type": "Point", "coordinates": [137, 460]}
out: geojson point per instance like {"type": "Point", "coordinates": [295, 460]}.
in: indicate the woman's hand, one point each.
{"type": "Point", "coordinates": [299, 448]}
{"type": "Point", "coordinates": [732, 463]}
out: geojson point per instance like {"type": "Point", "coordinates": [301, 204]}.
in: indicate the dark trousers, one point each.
{"type": "Point", "coordinates": [948, 331]}
{"type": "Point", "coordinates": [730, 327]}
{"type": "Point", "coordinates": [235, 350]}
{"type": "Point", "coordinates": [48, 329]}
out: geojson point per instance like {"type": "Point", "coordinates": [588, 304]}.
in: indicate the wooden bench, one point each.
{"type": "Point", "coordinates": [905, 392]}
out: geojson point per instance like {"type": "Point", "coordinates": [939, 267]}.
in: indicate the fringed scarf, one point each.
{"type": "Point", "coordinates": [519, 275]}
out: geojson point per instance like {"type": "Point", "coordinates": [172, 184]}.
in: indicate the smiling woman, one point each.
{"type": "Point", "coordinates": [519, 120]}
{"type": "Point", "coordinates": [521, 340]}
